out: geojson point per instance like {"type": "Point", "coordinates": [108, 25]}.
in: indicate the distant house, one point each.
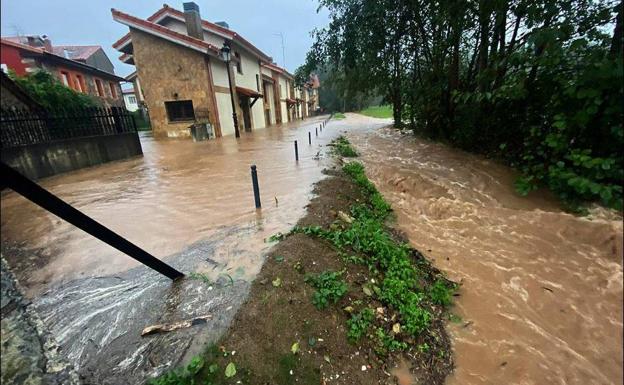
{"type": "Point", "coordinates": [182, 76]}
{"type": "Point", "coordinates": [85, 69]}
{"type": "Point", "coordinates": [130, 99]}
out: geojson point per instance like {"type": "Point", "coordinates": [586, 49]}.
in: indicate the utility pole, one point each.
{"type": "Point", "coordinates": [281, 35]}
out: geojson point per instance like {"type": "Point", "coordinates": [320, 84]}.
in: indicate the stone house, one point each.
{"type": "Point", "coordinates": [184, 77]}
{"type": "Point", "coordinates": [85, 69]}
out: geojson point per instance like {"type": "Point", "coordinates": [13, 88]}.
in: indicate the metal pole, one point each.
{"type": "Point", "coordinates": [234, 117]}
{"type": "Point", "coordinates": [309, 138]}
{"type": "Point", "coordinates": [296, 152]}
{"type": "Point", "coordinates": [316, 130]}
{"type": "Point", "coordinates": [41, 197]}
{"type": "Point", "coordinates": [256, 189]}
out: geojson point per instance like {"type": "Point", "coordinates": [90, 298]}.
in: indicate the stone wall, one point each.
{"type": "Point", "coordinates": [46, 159]}
{"type": "Point", "coordinates": [170, 72]}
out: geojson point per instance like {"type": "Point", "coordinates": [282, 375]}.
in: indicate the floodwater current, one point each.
{"type": "Point", "coordinates": [190, 204]}
{"type": "Point", "coordinates": [541, 295]}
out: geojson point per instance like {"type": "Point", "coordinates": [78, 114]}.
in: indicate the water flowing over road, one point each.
{"type": "Point", "coordinates": [541, 296]}
{"type": "Point", "coordinates": [190, 204]}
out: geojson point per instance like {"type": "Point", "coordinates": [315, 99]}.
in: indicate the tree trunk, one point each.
{"type": "Point", "coordinates": [616, 41]}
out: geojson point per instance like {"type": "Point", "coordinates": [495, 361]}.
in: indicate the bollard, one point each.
{"type": "Point", "coordinates": [296, 152]}
{"type": "Point", "coordinates": [256, 189]}
{"type": "Point", "coordinates": [316, 131]}
{"type": "Point", "coordinates": [321, 127]}
{"type": "Point", "coordinates": [309, 138]}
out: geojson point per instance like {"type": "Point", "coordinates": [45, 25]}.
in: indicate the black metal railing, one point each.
{"type": "Point", "coordinates": [23, 127]}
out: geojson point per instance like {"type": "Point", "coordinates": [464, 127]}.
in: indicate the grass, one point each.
{"type": "Point", "coordinates": [330, 287]}
{"type": "Point", "coordinates": [398, 281]}
{"type": "Point", "coordinates": [382, 112]}
{"type": "Point", "coordinates": [342, 147]}
{"type": "Point", "coordinates": [338, 116]}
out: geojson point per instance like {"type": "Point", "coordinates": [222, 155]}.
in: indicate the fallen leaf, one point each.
{"type": "Point", "coordinates": [230, 370]}
{"type": "Point", "coordinates": [396, 328]}
{"type": "Point", "coordinates": [294, 348]}
{"type": "Point", "coordinates": [277, 282]}
{"type": "Point", "coordinates": [367, 291]}
{"type": "Point", "coordinates": [326, 358]}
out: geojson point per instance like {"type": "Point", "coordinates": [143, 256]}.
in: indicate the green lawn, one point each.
{"type": "Point", "coordinates": [383, 112]}
{"type": "Point", "coordinates": [338, 116]}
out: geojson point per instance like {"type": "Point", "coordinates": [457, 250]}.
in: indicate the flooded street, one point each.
{"type": "Point", "coordinates": [541, 296]}
{"type": "Point", "coordinates": [190, 204]}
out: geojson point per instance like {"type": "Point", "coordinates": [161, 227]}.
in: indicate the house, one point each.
{"type": "Point", "coordinates": [191, 70]}
{"type": "Point", "coordinates": [85, 69]}
{"type": "Point", "coordinates": [130, 99]}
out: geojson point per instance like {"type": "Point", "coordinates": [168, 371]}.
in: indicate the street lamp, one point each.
{"type": "Point", "coordinates": [225, 55]}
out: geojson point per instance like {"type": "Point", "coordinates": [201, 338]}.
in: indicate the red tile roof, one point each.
{"type": "Point", "coordinates": [169, 11]}
{"type": "Point", "coordinates": [78, 52]}
{"type": "Point", "coordinates": [159, 29]}
{"type": "Point", "coordinates": [10, 41]}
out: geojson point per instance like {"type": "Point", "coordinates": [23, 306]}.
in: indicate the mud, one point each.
{"type": "Point", "coordinates": [541, 300]}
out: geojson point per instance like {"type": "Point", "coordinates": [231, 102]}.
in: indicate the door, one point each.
{"type": "Point", "coordinates": [244, 103]}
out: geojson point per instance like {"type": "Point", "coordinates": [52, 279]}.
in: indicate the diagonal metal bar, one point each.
{"type": "Point", "coordinates": [42, 197]}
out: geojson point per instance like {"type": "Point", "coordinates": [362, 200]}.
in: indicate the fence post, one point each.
{"type": "Point", "coordinates": [296, 152]}
{"type": "Point", "coordinates": [117, 120]}
{"type": "Point", "coordinates": [256, 188]}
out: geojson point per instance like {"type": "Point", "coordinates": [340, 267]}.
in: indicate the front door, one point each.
{"type": "Point", "coordinates": [244, 104]}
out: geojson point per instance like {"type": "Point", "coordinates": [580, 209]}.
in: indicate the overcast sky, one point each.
{"type": "Point", "coordinates": [89, 22]}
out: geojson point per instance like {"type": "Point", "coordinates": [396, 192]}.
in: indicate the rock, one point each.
{"type": "Point", "coordinates": [345, 217]}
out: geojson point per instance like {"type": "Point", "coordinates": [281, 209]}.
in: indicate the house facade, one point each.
{"type": "Point", "coordinates": [184, 76]}
{"type": "Point", "coordinates": [26, 54]}
{"type": "Point", "coordinates": [130, 99]}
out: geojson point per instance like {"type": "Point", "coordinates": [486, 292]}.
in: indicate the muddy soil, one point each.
{"type": "Point", "coordinates": [274, 318]}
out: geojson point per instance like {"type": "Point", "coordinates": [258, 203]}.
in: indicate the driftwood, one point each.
{"type": "Point", "coordinates": [165, 328]}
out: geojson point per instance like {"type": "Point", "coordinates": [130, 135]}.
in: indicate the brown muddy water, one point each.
{"type": "Point", "coordinates": [190, 204]}
{"type": "Point", "coordinates": [541, 296]}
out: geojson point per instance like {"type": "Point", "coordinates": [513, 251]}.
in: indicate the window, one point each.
{"type": "Point", "coordinates": [113, 90]}
{"type": "Point", "coordinates": [98, 86]}
{"type": "Point", "coordinates": [79, 83]}
{"type": "Point", "coordinates": [239, 63]}
{"type": "Point", "coordinates": [65, 78]}
{"type": "Point", "coordinates": [132, 99]}
{"type": "Point", "coordinates": [180, 111]}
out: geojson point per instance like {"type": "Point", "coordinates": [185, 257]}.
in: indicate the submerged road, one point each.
{"type": "Point", "coordinates": [190, 204]}
{"type": "Point", "coordinates": [541, 296]}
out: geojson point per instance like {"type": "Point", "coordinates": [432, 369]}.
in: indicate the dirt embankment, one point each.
{"type": "Point", "coordinates": [280, 336]}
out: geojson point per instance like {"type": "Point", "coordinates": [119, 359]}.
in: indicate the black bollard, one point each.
{"type": "Point", "coordinates": [321, 127]}
{"type": "Point", "coordinates": [256, 189]}
{"type": "Point", "coordinates": [316, 130]}
{"type": "Point", "coordinates": [309, 138]}
{"type": "Point", "coordinates": [296, 152]}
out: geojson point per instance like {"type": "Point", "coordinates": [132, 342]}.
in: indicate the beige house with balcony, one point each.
{"type": "Point", "coordinates": [183, 74]}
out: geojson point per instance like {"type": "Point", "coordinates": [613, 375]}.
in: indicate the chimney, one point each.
{"type": "Point", "coordinates": [193, 20]}
{"type": "Point", "coordinates": [47, 43]}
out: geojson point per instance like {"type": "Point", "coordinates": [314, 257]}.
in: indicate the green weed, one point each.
{"type": "Point", "coordinates": [359, 324]}
{"type": "Point", "coordinates": [330, 287]}
{"type": "Point", "coordinates": [343, 147]}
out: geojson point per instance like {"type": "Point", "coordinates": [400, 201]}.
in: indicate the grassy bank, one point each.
{"type": "Point", "coordinates": [338, 116]}
{"type": "Point", "coordinates": [341, 299]}
{"type": "Point", "coordinates": [383, 112]}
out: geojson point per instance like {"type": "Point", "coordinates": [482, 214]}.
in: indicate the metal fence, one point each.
{"type": "Point", "coordinates": [24, 127]}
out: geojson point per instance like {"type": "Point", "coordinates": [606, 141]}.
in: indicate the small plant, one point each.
{"type": "Point", "coordinates": [201, 277]}
{"type": "Point", "coordinates": [277, 237]}
{"type": "Point", "coordinates": [343, 147]}
{"type": "Point", "coordinates": [330, 287]}
{"type": "Point", "coordinates": [423, 348]}
{"type": "Point", "coordinates": [386, 342]}
{"type": "Point", "coordinates": [181, 376]}
{"type": "Point", "coordinates": [440, 293]}
{"type": "Point", "coordinates": [359, 323]}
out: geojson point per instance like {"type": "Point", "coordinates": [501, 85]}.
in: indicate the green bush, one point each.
{"type": "Point", "coordinates": [343, 147]}
{"type": "Point", "coordinates": [50, 93]}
